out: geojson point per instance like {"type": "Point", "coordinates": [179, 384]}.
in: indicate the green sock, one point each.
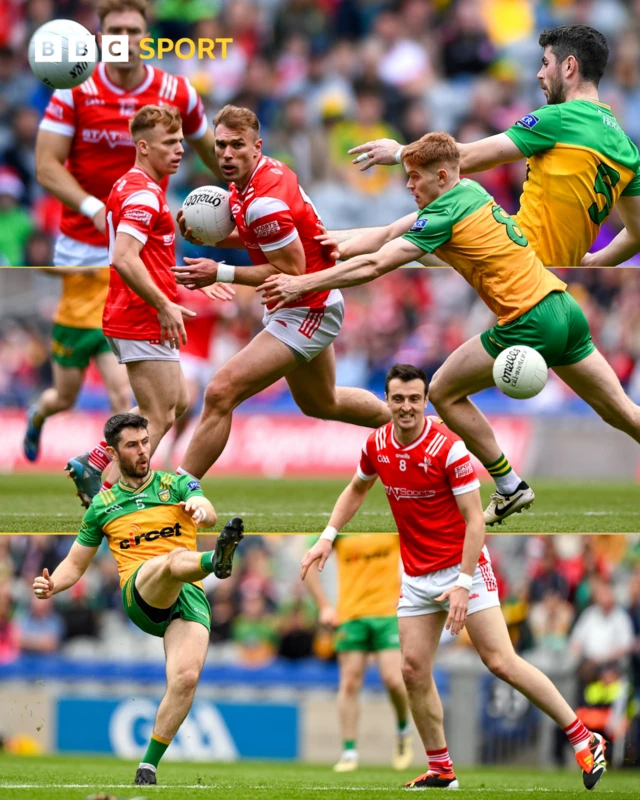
{"type": "Point", "coordinates": [403, 726]}
{"type": "Point", "coordinates": [155, 750]}
{"type": "Point", "coordinates": [499, 467]}
{"type": "Point", "coordinates": [207, 562]}
{"type": "Point", "coordinates": [349, 744]}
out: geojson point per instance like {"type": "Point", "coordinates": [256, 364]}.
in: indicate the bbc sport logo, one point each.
{"type": "Point", "coordinates": [115, 49]}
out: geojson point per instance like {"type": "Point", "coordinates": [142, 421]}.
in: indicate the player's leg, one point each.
{"type": "Point", "coordinates": [185, 645]}
{"type": "Point", "coordinates": [352, 665]}
{"type": "Point", "coordinates": [390, 666]}
{"type": "Point", "coordinates": [313, 386]}
{"type": "Point", "coordinates": [488, 632]}
{"type": "Point", "coordinates": [116, 381]}
{"type": "Point", "coordinates": [260, 364]}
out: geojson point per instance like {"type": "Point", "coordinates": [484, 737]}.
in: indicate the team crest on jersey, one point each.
{"type": "Point", "coordinates": [164, 495]}
{"type": "Point", "coordinates": [528, 121]}
{"type": "Point", "coordinates": [419, 224]}
{"type": "Point", "coordinates": [425, 464]}
{"type": "Point", "coordinates": [128, 107]}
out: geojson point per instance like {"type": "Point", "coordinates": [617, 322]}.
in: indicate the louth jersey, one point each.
{"type": "Point", "coordinates": [271, 212]}
{"type": "Point", "coordinates": [96, 116]}
{"type": "Point", "coordinates": [421, 480]}
{"type": "Point", "coordinates": [142, 523]}
{"type": "Point", "coordinates": [138, 207]}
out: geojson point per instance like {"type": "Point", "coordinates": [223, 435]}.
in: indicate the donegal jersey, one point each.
{"type": "Point", "coordinates": [137, 207]}
{"type": "Point", "coordinates": [82, 300]}
{"type": "Point", "coordinates": [95, 116]}
{"type": "Point", "coordinates": [141, 523]}
{"type": "Point", "coordinates": [467, 229]}
{"type": "Point", "coordinates": [580, 162]}
{"type": "Point", "coordinates": [368, 575]}
{"type": "Point", "coordinates": [272, 211]}
{"type": "Point", "coordinates": [421, 480]}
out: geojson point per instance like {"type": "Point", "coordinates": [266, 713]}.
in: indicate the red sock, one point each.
{"type": "Point", "coordinates": [99, 458]}
{"type": "Point", "coordinates": [577, 734]}
{"type": "Point", "coordinates": [440, 761]}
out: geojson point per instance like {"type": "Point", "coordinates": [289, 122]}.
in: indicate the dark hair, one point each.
{"type": "Point", "coordinates": [587, 45]}
{"type": "Point", "coordinates": [406, 373]}
{"type": "Point", "coordinates": [118, 422]}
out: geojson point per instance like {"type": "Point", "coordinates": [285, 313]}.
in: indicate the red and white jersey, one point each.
{"type": "Point", "coordinates": [96, 115]}
{"type": "Point", "coordinates": [421, 480]}
{"type": "Point", "coordinates": [137, 206]}
{"type": "Point", "coordinates": [272, 211]}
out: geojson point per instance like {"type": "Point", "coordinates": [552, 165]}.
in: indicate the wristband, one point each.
{"type": "Point", "coordinates": [464, 580]}
{"type": "Point", "coordinates": [399, 154]}
{"type": "Point", "coordinates": [226, 273]}
{"type": "Point", "coordinates": [90, 206]}
{"type": "Point", "coordinates": [329, 533]}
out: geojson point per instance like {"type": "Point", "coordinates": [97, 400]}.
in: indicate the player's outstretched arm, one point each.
{"type": "Point", "coordinates": [283, 289]}
{"type": "Point", "coordinates": [343, 512]}
{"type": "Point", "coordinates": [626, 244]}
{"type": "Point", "coordinates": [66, 574]}
{"type": "Point", "coordinates": [52, 151]}
{"type": "Point", "coordinates": [200, 510]}
{"type": "Point", "coordinates": [360, 241]}
{"type": "Point", "coordinates": [487, 153]}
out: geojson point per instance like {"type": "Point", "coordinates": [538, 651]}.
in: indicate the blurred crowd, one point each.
{"type": "Point", "coordinates": [324, 75]}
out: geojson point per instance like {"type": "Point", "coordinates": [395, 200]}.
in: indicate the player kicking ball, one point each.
{"type": "Point", "coordinates": [149, 520]}
{"type": "Point", "coordinates": [462, 225]}
{"type": "Point", "coordinates": [448, 581]}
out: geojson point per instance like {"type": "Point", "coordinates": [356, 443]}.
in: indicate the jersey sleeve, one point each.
{"type": "Point", "coordinates": [430, 231]}
{"type": "Point", "coordinates": [90, 533]}
{"type": "Point", "coordinates": [60, 114]}
{"type": "Point", "coordinates": [188, 486]}
{"type": "Point", "coordinates": [271, 221]}
{"type": "Point", "coordinates": [537, 131]}
{"type": "Point", "coordinates": [366, 470]}
{"type": "Point", "coordinates": [194, 119]}
{"type": "Point", "coordinates": [632, 189]}
{"type": "Point", "coordinates": [138, 214]}
{"type": "Point", "coordinates": [459, 470]}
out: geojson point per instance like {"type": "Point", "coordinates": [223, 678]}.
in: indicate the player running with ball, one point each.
{"type": "Point", "coordinates": [434, 496]}
{"type": "Point", "coordinates": [460, 223]}
{"type": "Point", "coordinates": [149, 520]}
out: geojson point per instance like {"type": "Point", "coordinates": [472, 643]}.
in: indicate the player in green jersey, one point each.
{"type": "Point", "coordinates": [149, 520]}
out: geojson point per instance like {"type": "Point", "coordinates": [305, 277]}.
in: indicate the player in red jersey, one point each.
{"type": "Point", "coordinates": [277, 223]}
{"type": "Point", "coordinates": [83, 148]}
{"type": "Point", "coordinates": [448, 580]}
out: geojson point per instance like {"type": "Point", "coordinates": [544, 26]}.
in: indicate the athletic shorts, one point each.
{"type": "Point", "coordinates": [368, 635]}
{"type": "Point", "coordinates": [191, 605]}
{"type": "Point", "coordinates": [69, 252]}
{"type": "Point", "coordinates": [75, 347]}
{"type": "Point", "coordinates": [307, 331]}
{"type": "Point", "coordinates": [417, 596]}
{"type": "Point", "coordinates": [556, 327]}
{"type": "Point", "coordinates": [127, 350]}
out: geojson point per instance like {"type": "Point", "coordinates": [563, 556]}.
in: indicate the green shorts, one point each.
{"type": "Point", "coordinates": [368, 634]}
{"type": "Point", "coordinates": [556, 327]}
{"type": "Point", "coordinates": [191, 605]}
{"type": "Point", "coordinates": [75, 347]}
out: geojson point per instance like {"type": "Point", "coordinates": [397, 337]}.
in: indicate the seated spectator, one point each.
{"type": "Point", "coordinates": [254, 631]}
{"type": "Point", "coordinates": [41, 628]}
{"type": "Point", "coordinates": [15, 223]}
{"type": "Point", "coordinates": [296, 631]}
{"type": "Point", "coordinates": [548, 576]}
{"type": "Point", "coordinates": [550, 620]}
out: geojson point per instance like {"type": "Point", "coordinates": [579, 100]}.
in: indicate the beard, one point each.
{"type": "Point", "coordinates": [557, 93]}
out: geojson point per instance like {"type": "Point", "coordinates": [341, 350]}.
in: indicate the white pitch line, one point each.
{"type": "Point", "coordinates": [264, 787]}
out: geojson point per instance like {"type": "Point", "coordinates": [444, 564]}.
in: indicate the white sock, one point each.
{"type": "Point", "coordinates": [142, 765]}
{"type": "Point", "coordinates": [581, 745]}
{"type": "Point", "coordinates": [349, 755]}
{"type": "Point", "coordinates": [507, 484]}
{"type": "Point", "coordinates": [181, 471]}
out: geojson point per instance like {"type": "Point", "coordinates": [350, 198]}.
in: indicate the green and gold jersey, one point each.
{"type": "Point", "coordinates": [142, 523]}
{"type": "Point", "coordinates": [579, 162]}
{"type": "Point", "coordinates": [467, 229]}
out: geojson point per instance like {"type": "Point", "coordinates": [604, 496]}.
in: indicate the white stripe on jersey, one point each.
{"type": "Point", "coordinates": [457, 452]}
{"type": "Point", "coordinates": [262, 207]}
{"type": "Point", "coordinates": [163, 84]}
{"type": "Point", "coordinates": [174, 89]}
{"type": "Point", "coordinates": [436, 443]}
{"type": "Point", "coordinates": [139, 235]}
{"type": "Point", "coordinates": [57, 127]}
{"type": "Point", "coordinates": [142, 198]}
{"type": "Point", "coordinates": [64, 96]}
{"type": "Point", "coordinates": [267, 248]}
{"type": "Point", "coordinates": [193, 96]}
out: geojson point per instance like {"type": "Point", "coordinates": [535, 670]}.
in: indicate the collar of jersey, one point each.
{"type": "Point", "coordinates": [260, 164]}
{"type": "Point", "coordinates": [146, 82]}
{"type": "Point", "coordinates": [145, 173]}
{"type": "Point", "coordinates": [415, 442]}
{"type": "Point", "coordinates": [595, 102]}
{"type": "Point", "coordinates": [129, 489]}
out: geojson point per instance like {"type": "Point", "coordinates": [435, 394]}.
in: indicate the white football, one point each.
{"type": "Point", "coordinates": [520, 372]}
{"type": "Point", "coordinates": [207, 211]}
{"type": "Point", "coordinates": [61, 74]}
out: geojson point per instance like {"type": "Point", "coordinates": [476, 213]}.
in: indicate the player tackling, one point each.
{"type": "Point", "coordinates": [434, 496]}
{"type": "Point", "coordinates": [149, 520]}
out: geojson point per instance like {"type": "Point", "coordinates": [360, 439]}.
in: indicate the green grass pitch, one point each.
{"type": "Point", "coordinates": [47, 503]}
{"type": "Point", "coordinates": [69, 778]}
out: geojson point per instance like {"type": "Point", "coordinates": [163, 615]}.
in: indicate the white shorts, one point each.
{"type": "Point", "coordinates": [307, 331]}
{"type": "Point", "coordinates": [70, 253]}
{"type": "Point", "coordinates": [196, 369]}
{"type": "Point", "coordinates": [417, 596]}
{"type": "Point", "coordinates": [127, 350]}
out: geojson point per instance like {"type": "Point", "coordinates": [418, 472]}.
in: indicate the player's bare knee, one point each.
{"type": "Point", "coordinates": [414, 674]}
{"type": "Point", "coordinates": [311, 408]}
{"type": "Point", "coordinates": [173, 557]}
{"type": "Point", "coordinates": [500, 665]}
{"type": "Point", "coordinates": [185, 681]}
{"type": "Point", "coordinates": [219, 397]}
{"type": "Point", "coordinates": [350, 682]}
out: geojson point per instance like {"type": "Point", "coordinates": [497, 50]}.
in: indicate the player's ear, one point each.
{"type": "Point", "coordinates": [111, 452]}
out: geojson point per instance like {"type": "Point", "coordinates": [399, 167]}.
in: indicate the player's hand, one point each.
{"type": "Point", "coordinates": [219, 291]}
{"type": "Point", "coordinates": [193, 508]}
{"type": "Point", "coordinates": [328, 244]}
{"type": "Point", "coordinates": [200, 272]}
{"type": "Point", "coordinates": [328, 616]}
{"type": "Point", "coordinates": [43, 585]}
{"type": "Point", "coordinates": [100, 220]}
{"type": "Point", "coordinates": [380, 151]}
{"type": "Point", "coordinates": [187, 233]}
{"type": "Point", "coordinates": [589, 260]}
{"type": "Point", "coordinates": [171, 322]}
{"type": "Point", "coordinates": [458, 598]}
{"type": "Point", "coordinates": [281, 289]}
{"type": "Point", "coordinates": [320, 552]}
